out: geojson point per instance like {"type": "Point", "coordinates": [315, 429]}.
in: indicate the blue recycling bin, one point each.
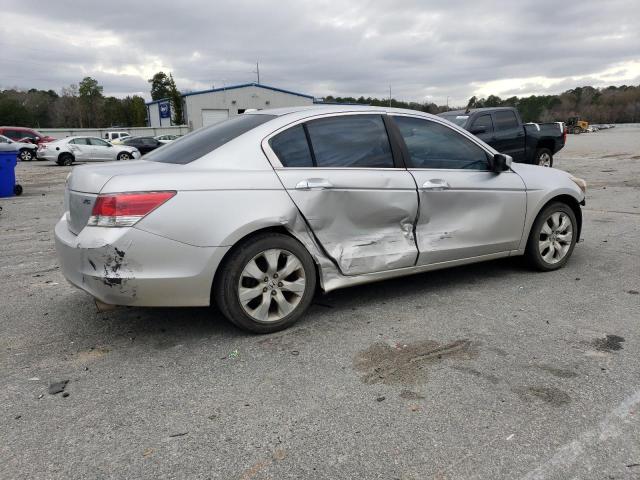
{"type": "Point", "coordinates": [8, 162]}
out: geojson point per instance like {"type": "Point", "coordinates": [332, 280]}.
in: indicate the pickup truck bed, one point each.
{"type": "Point", "coordinates": [502, 128]}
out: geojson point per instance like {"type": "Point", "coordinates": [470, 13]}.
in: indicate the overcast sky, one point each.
{"type": "Point", "coordinates": [426, 50]}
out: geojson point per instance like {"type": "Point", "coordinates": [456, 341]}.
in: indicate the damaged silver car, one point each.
{"type": "Point", "coordinates": [258, 212]}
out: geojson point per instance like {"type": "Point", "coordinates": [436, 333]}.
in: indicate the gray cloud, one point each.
{"type": "Point", "coordinates": [422, 48]}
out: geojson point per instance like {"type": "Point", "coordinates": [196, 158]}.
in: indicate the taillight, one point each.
{"type": "Point", "coordinates": [125, 209]}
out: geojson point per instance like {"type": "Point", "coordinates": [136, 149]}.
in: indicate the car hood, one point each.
{"type": "Point", "coordinates": [92, 178]}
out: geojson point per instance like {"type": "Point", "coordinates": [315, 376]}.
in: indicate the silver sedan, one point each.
{"type": "Point", "coordinates": [258, 212]}
{"type": "Point", "coordinates": [85, 149]}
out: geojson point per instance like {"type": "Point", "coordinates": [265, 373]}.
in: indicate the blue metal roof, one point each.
{"type": "Point", "coordinates": [233, 87]}
{"type": "Point", "coordinates": [157, 101]}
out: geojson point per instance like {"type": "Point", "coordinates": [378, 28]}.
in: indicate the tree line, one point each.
{"type": "Point", "coordinates": [597, 105]}
{"type": "Point", "coordinates": [84, 105]}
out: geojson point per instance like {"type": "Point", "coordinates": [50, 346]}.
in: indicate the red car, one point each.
{"type": "Point", "coordinates": [22, 134]}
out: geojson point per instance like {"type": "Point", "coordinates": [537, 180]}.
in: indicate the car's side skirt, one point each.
{"type": "Point", "coordinates": [342, 281]}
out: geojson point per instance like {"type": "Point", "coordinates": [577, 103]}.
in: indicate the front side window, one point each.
{"type": "Point", "coordinates": [505, 119]}
{"type": "Point", "coordinates": [432, 145]}
{"type": "Point", "coordinates": [350, 141]}
{"type": "Point", "coordinates": [483, 121]}
{"type": "Point", "coordinates": [292, 148]}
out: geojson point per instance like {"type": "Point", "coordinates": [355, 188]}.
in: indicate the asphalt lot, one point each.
{"type": "Point", "coordinates": [506, 373]}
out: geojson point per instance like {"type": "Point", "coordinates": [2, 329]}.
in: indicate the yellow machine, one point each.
{"type": "Point", "coordinates": [575, 125]}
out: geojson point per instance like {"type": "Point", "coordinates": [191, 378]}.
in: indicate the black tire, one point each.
{"type": "Point", "coordinates": [124, 156]}
{"type": "Point", "coordinates": [17, 189]}
{"type": "Point", "coordinates": [227, 284]}
{"type": "Point", "coordinates": [66, 159]}
{"type": "Point", "coordinates": [544, 157]}
{"type": "Point", "coordinates": [533, 254]}
{"type": "Point", "coordinates": [577, 130]}
{"type": "Point", "coordinates": [26, 155]}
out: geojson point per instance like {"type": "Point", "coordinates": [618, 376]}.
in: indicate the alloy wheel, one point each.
{"type": "Point", "coordinates": [555, 238]}
{"type": "Point", "coordinates": [26, 156]}
{"type": "Point", "coordinates": [271, 285]}
{"type": "Point", "coordinates": [544, 160]}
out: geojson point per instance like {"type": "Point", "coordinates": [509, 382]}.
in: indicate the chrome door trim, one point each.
{"type": "Point", "coordinates": [275, 161]}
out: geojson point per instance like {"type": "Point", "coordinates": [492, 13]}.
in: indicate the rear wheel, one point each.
{"type": "Point", "coordinates": [65, 159]}
{"type": "Point", "coordinates": [553, 237]}
{"type": "Point", "coordinates": [26, 155]}
{"type": "Point", "coordinates": [124, 156]}
{"type": "Point", "coordinates": [544, 157]}
{"type": "Point", "coordinates": [266, 284]}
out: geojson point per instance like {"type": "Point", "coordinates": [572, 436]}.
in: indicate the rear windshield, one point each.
{"type": "Point", "coordinates": [194, 145]}
{"type": "Point", "coordinates": [459, 120]}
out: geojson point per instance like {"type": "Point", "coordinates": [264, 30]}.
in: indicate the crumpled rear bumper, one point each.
{"type": "Point", "coordinates": [128, 266]}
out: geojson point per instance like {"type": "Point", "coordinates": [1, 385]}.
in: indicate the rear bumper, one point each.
{"type": "Point", "coordinates": [127, 266]}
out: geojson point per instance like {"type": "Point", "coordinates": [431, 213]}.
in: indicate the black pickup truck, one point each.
{"type": "Point", "coordinates": [502, 128]}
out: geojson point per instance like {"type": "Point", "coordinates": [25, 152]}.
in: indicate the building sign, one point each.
{"type": "Point", "coordinates": [165, 110]}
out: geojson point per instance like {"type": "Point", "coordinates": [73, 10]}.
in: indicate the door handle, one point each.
{"type": "Point", "coordinates": [435, 184]}
{"type": "Point", "coordinates": [314, 184]}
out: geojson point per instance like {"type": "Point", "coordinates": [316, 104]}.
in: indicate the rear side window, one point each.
{"type": "Point", "coordinates": [432, 145]}
{"type": "Point", "coordinates": [292, 148]}
{"type": "Point", "coordinates": [505, 119]}
{"type": "Point", "coordinates": [204, 140]}
{"type": "Point", "coordinates": [80, 141]}
{"type": "Point", "coordinates": [350, 141]}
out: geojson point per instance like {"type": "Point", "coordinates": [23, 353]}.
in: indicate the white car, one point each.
{"type": "Point", "coordinates": [167, 138]}
{"type": "Point", "coordinates": [85, 149]}
{"type": "Point", "coordinates": [26, 151]}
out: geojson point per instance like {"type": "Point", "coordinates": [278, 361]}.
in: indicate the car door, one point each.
{"type": "Point", "coordinates": [466, 210]}
{"type": "Point", "coordinates": [81, 149]}
{"type": "Point", "coordinates": [344, 177]}
{"type": "Point", "coordinates": [509, 137]}
{"type": "Point", "coordinates": [101, 150]}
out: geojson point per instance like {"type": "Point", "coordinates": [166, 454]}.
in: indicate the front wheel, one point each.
{"type": "Point", "coordinates": [544, 157]}
{"type": "Point", "coordinates": [553, 237]}
{"type": "Point", "coordinates": [124, 156]}
{"type": "Point", "coordinates": [26, 155]}
{"type": "Point", "coordinates": [266, 284]}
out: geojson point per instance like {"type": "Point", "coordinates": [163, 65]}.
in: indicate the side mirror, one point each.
{"type": "Point", "coordinates": [500, 162]}
{"type": "Point", "coordinates": [478, 129]}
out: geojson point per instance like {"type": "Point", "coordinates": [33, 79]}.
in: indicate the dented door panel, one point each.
{"type": "Point", "coordinates": [363, 218]}
{"type": "Point", "coordinates": [466, 213]}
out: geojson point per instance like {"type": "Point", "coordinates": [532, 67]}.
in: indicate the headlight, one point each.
{"type": "Point", "coordinates": [582, 184]}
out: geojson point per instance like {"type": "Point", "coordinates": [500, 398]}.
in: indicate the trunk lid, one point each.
{"type": "Point", "coordinates": [86, 181]}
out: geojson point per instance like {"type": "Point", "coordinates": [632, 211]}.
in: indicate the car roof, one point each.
{"type": "Point", "coordinates": [320, 109]}
{"type": "Point", "coordinates": [475, 110]}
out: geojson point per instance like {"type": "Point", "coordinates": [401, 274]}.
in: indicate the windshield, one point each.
{"type": "Point", "coordinates": [459, 120]}
{"type": "Point", "coordinates": [196, 144]}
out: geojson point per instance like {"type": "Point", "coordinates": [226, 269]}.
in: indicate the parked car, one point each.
{"type": "Point", "coordinates": [116, 137]}
{"type": "Point", "coordinates": [25, 135]}
{"type": "Point", "coordinates": [502, 128]}
{"type": "Point", "coordinates": [26, 151]}
{"type": "Point", "coordinates": [144, 144]}
{"type": "Point", "coordinates": [85, 149]}
{"type": "Point", "coordinates": [257, 211]}
{"type": "Point", "coordinates": [167, 138]}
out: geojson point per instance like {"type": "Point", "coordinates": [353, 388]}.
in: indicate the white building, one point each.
{"type": "Point", "coordinates": [208, 107]}
{"type": "Point", "coordinates": [159, 113]}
